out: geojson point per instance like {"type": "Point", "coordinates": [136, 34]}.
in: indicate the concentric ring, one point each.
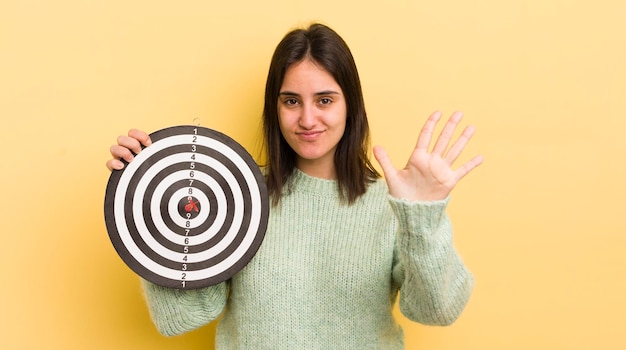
{"type": "Point", "coordinates": [189, 211]}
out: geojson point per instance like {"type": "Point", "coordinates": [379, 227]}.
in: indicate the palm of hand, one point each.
{"type": "Point", "coordinates": [437, 177]}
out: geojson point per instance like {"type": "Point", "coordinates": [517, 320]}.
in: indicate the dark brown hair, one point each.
{"type": "Point", "coordinates": [326, 48]}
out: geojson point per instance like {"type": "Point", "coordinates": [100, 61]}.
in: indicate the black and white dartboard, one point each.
{"type": "Point", "coordinates": [189, 211]}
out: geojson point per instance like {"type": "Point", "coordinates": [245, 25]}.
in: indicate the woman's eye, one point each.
{"type": "Point", "coordinates": [326, 101]}
{"type": "Point", "coordinates": [291, 101]}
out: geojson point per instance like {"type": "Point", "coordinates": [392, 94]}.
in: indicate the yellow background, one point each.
{"type": "Point", "coordinates": [541, 223]}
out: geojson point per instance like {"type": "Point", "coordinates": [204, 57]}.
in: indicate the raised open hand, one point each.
{"type": "Point", "coordinates": [429, 176]}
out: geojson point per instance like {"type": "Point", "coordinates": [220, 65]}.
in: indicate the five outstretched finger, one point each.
{"type": "Point", "coordinates": [426, 134]}
{"type": "Point", "coordinates": [446, 134]}
{"type": "Point", "coordinates": [459, 145]}
{"type": "Point", "coordinates": [383, 159]}
{"type": "Point", "coordinates": [469, 166]}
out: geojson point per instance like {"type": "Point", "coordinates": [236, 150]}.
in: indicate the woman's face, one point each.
{"type": "Point", "coordinates": [312, 117]}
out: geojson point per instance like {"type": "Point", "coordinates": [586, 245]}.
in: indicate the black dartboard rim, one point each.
{"type": "Point", "coordinates": [225, 215]}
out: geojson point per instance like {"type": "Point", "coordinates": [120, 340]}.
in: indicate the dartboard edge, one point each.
{"type": "Point", "coordinates": [190, 210]}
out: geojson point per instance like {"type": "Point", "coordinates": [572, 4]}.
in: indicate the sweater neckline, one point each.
{"type": "Point", "coordinates": [301, 182]}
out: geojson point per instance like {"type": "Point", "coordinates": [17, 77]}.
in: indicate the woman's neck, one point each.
{"type": "Point", "coordinates": [325, 170]}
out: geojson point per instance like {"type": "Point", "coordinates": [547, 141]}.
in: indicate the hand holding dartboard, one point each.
{"type": "Point", "coordinates": [189, 211]}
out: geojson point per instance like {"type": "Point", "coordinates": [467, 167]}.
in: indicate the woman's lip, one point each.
{"type": "Point", "coordinates": [308, 135]}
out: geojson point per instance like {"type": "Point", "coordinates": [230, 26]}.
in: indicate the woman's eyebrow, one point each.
{"type": "Point", "coordinates": [328, 92]}
{"type": "Point", "coordinates": [325, 92]}
{"type": "Point", "coordinates": [287, 93]}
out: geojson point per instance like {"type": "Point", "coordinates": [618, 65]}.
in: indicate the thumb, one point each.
{"type": "Point", "coordinates": [383, 159]}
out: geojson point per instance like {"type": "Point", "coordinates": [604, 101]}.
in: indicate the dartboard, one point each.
{"type": "Point", "coordinates": [189, 211]}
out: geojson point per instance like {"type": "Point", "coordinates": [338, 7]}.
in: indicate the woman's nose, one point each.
{"type": "Point", "coordinates": [308, 118]}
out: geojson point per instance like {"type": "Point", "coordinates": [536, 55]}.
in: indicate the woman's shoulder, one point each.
{"type": "Point", "coordinates": [377, 191]}
{"type": "Point", "coordinates": [378, 185]}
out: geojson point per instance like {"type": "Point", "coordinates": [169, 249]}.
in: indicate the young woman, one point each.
{"type": "Point", "coordinates": [341, 242]}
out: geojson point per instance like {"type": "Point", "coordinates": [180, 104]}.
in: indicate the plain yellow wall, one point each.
{"type": "Point", "coordinates": [541, 223]}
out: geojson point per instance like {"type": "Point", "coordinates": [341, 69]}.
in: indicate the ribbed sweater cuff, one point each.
{"type": "Point", "coordinates": [421, 217]}
{"type": "Point", "coordinates": [177, 311]}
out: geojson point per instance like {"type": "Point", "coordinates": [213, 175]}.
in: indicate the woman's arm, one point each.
{"type": "Point", "coordinates": [175, 311]}
{"type": "Point", "coordinates": [434, 283]}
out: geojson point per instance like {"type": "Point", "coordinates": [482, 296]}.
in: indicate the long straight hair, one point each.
{"type": "Point", "coordinates": [326, 48]}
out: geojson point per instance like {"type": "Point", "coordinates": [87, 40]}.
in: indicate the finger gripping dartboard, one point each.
{"type": "Point", "coordinates": [189, 211]}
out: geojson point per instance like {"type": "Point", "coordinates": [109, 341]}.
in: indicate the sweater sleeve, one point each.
{"type": "Point", "coordinates": [175, 311]}
{"type": "Point", "coordinates": [434, 283]}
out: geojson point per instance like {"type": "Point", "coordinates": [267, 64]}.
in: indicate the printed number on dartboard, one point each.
{"type": "Point", "coordinates": [192, 166]}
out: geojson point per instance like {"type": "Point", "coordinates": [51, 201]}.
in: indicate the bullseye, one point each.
{"type": "Point", "coordinates": [191, 207]}
{"type": "Point", "coordinates": [189, 211]}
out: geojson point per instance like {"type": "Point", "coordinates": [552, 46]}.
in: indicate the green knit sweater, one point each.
{"type": "Point", "coordinates": [327, 275]}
